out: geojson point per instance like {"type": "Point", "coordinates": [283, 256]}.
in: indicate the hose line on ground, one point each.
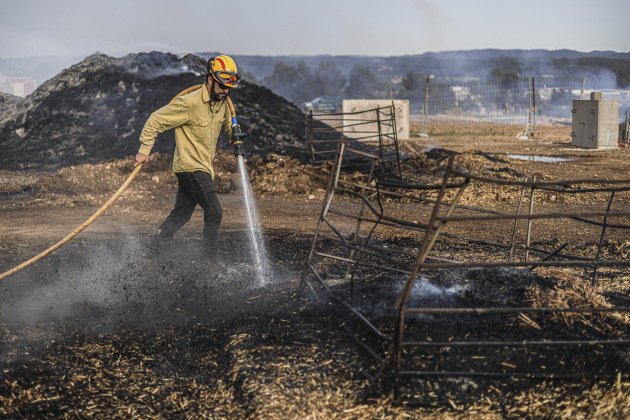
{"type": "Point", "coordinates": [78, 229]}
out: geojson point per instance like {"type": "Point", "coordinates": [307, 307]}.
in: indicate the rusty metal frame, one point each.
{"type": "Point", "coordinates": [371, 129]}
{"type": "Point", "coordinates": [353, 210]}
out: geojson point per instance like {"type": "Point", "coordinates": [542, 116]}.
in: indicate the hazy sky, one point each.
{"type": "Point", "coordinates": [267, 27]}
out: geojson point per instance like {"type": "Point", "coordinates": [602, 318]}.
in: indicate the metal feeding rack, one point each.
{"type": "Point", "coordinates": [456, 274]}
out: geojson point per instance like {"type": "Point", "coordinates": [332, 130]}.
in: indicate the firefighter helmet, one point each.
{"type": "Point", "coordinates": [223, 69]}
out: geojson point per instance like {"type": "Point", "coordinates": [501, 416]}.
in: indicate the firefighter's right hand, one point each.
{"type": "Point", "coordinates": [140, 159]}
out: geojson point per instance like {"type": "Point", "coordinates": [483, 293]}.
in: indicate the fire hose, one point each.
{"type": "Point", "coordinates": [79, 229]}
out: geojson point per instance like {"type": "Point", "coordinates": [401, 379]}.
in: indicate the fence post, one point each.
{"type": "Point", "coordinates": [308, 132]}
{"type": "Point", "coordinates": [601, 237]}
{"type": "Point", "coordinates": [529, 220]}
{"type": "Point", "coordinates": [531, 118]}
{"type": "Point", "coordinates": [627, 130]}
{"type": "Point", "coordinates": [425, 107]}
{"type": "Point", "coordinates": [533, 107]}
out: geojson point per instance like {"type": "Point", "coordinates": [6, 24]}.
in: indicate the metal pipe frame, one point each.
{"type": "Point", "coordinates": [324, 130]}
{"type": "Point", "coordinates": [350, 240]}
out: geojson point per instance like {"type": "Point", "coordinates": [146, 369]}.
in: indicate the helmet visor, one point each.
{"type": "Point", "coordinates": [227, 78]}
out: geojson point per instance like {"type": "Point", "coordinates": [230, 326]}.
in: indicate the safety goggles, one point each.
{"type": "Point", "coordinates": [227, 78]}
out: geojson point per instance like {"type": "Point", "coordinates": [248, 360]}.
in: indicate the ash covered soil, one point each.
{"type": "Point", "coordinates": [99, 329]}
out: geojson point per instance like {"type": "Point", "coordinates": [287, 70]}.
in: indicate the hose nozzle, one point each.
{"type": "Point", "coordinates": [237, 138]}
{"type": "Point", "coordinates": [238, 148]}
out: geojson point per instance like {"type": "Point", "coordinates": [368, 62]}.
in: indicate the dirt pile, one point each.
{"type": "Point", "coordinates": [7, 104]}
{"type": "Point", "coordinates": [95, 110]}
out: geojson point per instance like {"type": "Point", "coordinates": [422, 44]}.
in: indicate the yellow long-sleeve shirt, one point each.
{"type": "Point", "coordinates": [197, 123]}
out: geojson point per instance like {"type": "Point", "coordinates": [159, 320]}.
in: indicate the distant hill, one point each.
{"type": "Point", "coordinates": [456, 63]}
{"type": "Point", "coordinates": [448, 63]}
{"type": "Point", "coordinates": [302, 78]}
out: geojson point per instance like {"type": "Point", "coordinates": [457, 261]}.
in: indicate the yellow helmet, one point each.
{"type": "Point", "coordinates": [223, 69]}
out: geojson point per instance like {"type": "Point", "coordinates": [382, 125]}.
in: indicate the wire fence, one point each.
{"type": "Point", "coordinates": [522, 103]}
{"type": "Point", "coordinates": [454, 102]}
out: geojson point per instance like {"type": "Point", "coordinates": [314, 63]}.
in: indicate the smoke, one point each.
{"type": "Point", "coordinates": [76, 281]}
{"type": "Point", "coordinates": [448, 288]}
{"type": "Point", "coordinates": [103, 285]}
{"type": "Point", "coordinates": [153, 64]}
{"type": "Point", "coordinates": [600, 79]}
{"type": "Point", "coordinates": [137, 46]}
{"type": "Point", "coordinates": [424, 292]}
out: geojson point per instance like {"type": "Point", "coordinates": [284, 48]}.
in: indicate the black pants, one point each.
{"type": "Point", "coordinates": [195, 188]}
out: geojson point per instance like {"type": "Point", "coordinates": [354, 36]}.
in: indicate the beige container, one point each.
{"type": "Point", "coordinates": [595, 123]}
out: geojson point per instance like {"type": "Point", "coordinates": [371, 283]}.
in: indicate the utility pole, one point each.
{"type": "Point", "coordinates": [533, 106]}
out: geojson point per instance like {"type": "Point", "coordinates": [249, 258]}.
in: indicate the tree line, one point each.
{"type": "Point", "coordinates": [301, 83]}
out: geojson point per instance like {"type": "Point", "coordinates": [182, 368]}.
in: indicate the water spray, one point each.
{"type": "Point", "coordinates": [254, 231]}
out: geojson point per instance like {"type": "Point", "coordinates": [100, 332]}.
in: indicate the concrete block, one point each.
{"type": "Point", "coordinates": [357, 131]}
{"type": "Point", "coordinates": [595, 123]}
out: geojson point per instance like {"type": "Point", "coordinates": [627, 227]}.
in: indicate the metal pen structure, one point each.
{"type": "Point", "coordinates": [383, 233]}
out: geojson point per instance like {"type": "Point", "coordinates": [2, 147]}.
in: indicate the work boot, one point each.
{"type": "Point", "coordinates": [155, 244]}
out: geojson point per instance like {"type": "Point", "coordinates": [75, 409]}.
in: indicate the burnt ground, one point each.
{"type": "Point", "coordinates": [100, 328]}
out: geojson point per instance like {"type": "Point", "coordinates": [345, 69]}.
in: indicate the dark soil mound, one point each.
{"type": "Point", "coordinates": [95, 111]}
{"type": "Point", "coordinates": [8, 103]}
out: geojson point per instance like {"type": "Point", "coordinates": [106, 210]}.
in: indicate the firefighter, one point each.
{"type": "Point", "coordinates": [197, 118]}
